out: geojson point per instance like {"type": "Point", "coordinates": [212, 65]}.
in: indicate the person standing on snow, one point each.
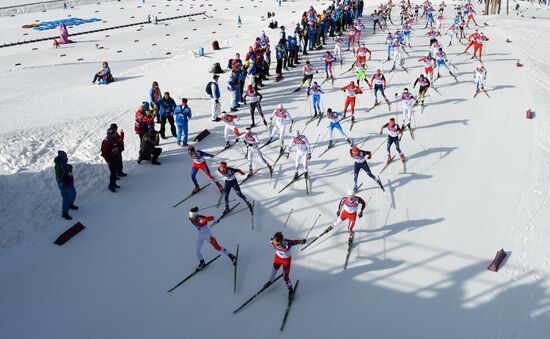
{"type": "Point", "coordinates": [120, 138]}
{"type": "Point", "coordinates": [213, 90]}
{"type": "Point", "coordinates": [111, 151]}
{"type": "Point", "coordinates": [154, 96]}
{"type": "Point", "coordinates": [183, 114]}
{"type": "Point", "coordinates": [65, 181]}
{"type": "Point", "coordinates": [143, 120]}
{"type": "Point", "coordinates": [283, 258]}
{"type": "Point", "coordinates": [204, 234]}
{"type": "Point", "coordinates": [166, 111]}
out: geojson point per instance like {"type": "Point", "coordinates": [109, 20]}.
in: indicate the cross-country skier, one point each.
{"type": "Point", "coordinates": [394, 136]}
{"type": "Point", "coordinates": [351, 39]}
{"type": "Point", "coordinates": [229, 122]}
{"type": "Point", "coordinates": [334, 122]}
{"type": "Point", "coordinates": [407, 101]}
{"type": "Point", "coordinates": [282, 118]}
{"type": "Point", "coordinates": [478, 45]}
{"type": "Point", "coordinates": [205, 234]}
{"type": "Point", "coordinates": [480, 74]}
{"type": "Point", "coordinates": [397, 45]}
{"type": "Point", "coordinates": [251, 141]}
{"type": "Point", "coordinates": [254, 98]}
{"type": "Point", "coordinates": [308, 71]}
{"type": "Point", "coordinates": [338, 48]}
{"type": "Point", "coordinates": [361, 73]}
{"type": "Point", "coordinates": [303, 152]}
{"type": "Point", "coordinates": [362, 54]}
{"type": "Point", "coordinates": [328, 59]}
{"type": "Point", "coordinates": [200, 164]}
{"type": "Point", "coordinates": [378, 80]}
{"type": "Point", "coordinates": [315, 91]}
{"type": "Point", "coordinates": [389, 43]}
{"type": "Point", "coordinates": [347, 210]}
{"type": "Point", "coordinates": [282, 257]}
{"type": "Point", "coordinates": [424, 84]}
{"type": "Point", "coordinates": [441, 60]}
{"type": "Point", "coordinates": [352, 91]}
{"type": "Point", "coordinates": [472, 38]}
{"type": "Point", "coordinates": [428, 65]}
{"type": "Point", "coordinates": [231, 183]}
{"type": "Point", "coordinates": [359, 157]}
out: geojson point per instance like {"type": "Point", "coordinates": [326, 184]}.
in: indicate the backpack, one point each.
{"type": "Point", "coordinates": [209, 88]}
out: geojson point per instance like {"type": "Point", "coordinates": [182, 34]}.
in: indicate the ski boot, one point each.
{"type": "Point", "coordinates": [267, 284]}
{"type": "Point", "coordinates": [330, 142]}
{"type": "Point", "coordinates": [250, 207]}
{"type": "Point", "coordinates": [282, 150]}
{"type": "Point", "coordinates": [351, 233]}
{"type": "Point", "coordinates": [355, 188]}
{"type": "Point", "coordinates": [250, 173]}
{"type": "Point", "coordinates": [269, 140]}
{"type": "Point", "coordinates": [305, 175]}
{"type": "Point", "coordinates": [387, 101]}
{"type": "Point", "coordinates": [402, 157]}
{"type": "Point", "coordinates": [265, 123]}
{"type": "Point", "coordinates": [389, 159]}
{"type": "Point", "coordinates": [220, 187]}
{"type": "Point", "coordinates": [296, 176]}
{"type": "Point", "coordinates": [270, 169]}
{"type": "Point", "coordinates": [375, 102]}
{"type": "Point", "coordinates": [139, 160]}
{"type": "Point", "coordinates": [352, 119]}
{"type": "Point", "coordinates": [409, 126]}
{"type": "Point", "coordinates": [201, 265]}
{"type": "Point", "coordinates": [226, 210]}
{"type": "Point", "coordinates": [227, 144]}
{"type": "Point", "coordinates": [233, 259]}
{"type": "Point", "coordinates": [348, 140]}
{"type": "Point", "coordinates": [290, 291]}
{"type": "Point", "coordinates": [196, 189]}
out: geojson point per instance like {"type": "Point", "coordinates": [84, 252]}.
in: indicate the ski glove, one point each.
{"type": "Point", "coordinates": [360, 214]}
{"type": "Point", "coordinates": [287, 154]}
{"type": "Point", "coordinates": [309, 156]}
{"type": "Point", "coordinates": [303, 241]}
{"type": "Point", "coordinates": [337, 213]}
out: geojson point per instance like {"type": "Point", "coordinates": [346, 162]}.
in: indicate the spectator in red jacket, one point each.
{"type": "Point", "coordinates": [144, 121]}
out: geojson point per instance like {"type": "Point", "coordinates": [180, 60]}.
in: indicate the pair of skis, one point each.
{"type": "Point", "coordinates": [190, 195]}
{"type": "Point", "coordinates": [482, 90]}
{"type": "Point", "coordinates": [289, 302]}
{"type": "Point", "coordinates": [197, 270]}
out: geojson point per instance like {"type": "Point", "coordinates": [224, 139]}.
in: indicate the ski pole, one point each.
{"type": "Point", "coordinates": [204, 208]}
{"type": "Point", "coordinates": [377, 148]}
{"type": "Point", "coordinates": [288, 217]}
{"type": "Point", "coordinates": [311, 229]}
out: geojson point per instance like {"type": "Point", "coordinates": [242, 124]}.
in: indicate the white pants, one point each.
{"type": "Point", "coordinates": [206, 235]}
{"type": "Point", "coordinates": [337, 52]}
{"type": "Point", "coordinates": [278, 128]}
{"type": "Point", "coordinates": [215, 109]}
{"type": "Point", "coordinates": [407, 112]}
{"type": "Point", "coordinates": [230, 128]}
{"type": "Point", "coordinates": [255, 151]}
{"type": "Point", "coordinates": [251, 80]}
{"type": "Point", "coordinates": [480, 82]}
{"type": "Point", "coordinates": [396, 55]}
{"type": "Point", "coordinates": [301, 157]}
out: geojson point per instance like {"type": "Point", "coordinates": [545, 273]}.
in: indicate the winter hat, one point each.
{"type": "Point", "coordinates": [61, 154]}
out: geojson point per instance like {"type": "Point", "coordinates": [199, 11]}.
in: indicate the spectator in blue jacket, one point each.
{"type": "Point", "coordinates": [65, 181]}
{"type": "Point", "coordinates": [183, 114]}
{"type": "Point", "coordinates": [166, 107]}
{"type": "Point", "coordinates": [233, 87]}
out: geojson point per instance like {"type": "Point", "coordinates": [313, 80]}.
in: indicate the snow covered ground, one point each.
{"type": "Point", "coordinates": [478, 179]}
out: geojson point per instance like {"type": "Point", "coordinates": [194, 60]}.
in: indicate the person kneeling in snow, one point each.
{"type": "Point", "coordinates": [104, 76]}
{"type": "Point", "coordinates": [147, 149]}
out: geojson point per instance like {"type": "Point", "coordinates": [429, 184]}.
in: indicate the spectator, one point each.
{"type": "Point", "coordinates": [233, 87]}
{"type": "Point", "coordinates": [183, 114]}
{"type": "Point", "coordinates": [111, 151]}
{"type": "Point", "coordinates": [65, 181]}
{"type": "Point", "coordinates": [154, 96]}
{"type": "Point", "coordinates": [166, 111]}
{"type": "Point", "coordinates": [144, 120]}
{"type": "Point", "coordinates": [147, 149]}
{"type": "Point", "coordinates": [104, 76]}
{"type": "Point", "coordinates": [120, 140]}
{"type": "Point", "coordinates": [213, 90]}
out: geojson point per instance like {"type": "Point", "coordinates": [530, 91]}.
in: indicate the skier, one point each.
{"type": "Point", "coordinates": [213, 90]}
{"type": "Point", "coordinates": [471, 13]}
{"type": "Point", "coordinates": [352, 91]}
{"type": "Point", "coordinates": [347, 210]}
{"type": "Point", "coordinates": [424, 84]}
{"type": "Point", "coordinates": [358, 157]}
{"type": "Point", "coordinates": [328, 59]}
{"type": "Point", "coordinates": [205, 234]}
{"type": "Point", "coordinates": [338, 48]}
{"type": "Point", "coordinates": [308, 71]}
{"type": "Point", "coordinates": [472, 38]}
{"type": "Point", "coordinates": [228, 121]}
{"type": "Point", "coordinates": [334, 122]}
{"type": "Point", "coordinates": [303, 152]}
{"type": "Point", "coordinates": [316, 92]}
{"type": "Point", "coordinates": [394, 136]}
{"type": "Point", "coordinates": [282, 118]}
{"type": "Point", "coordinates": [254, 98]}
{"type": "Point", "coordinates": [397, 53]}
{"type": "Point", "coordinates": [389, 43]}
{"type": "Point", "coordinates": [351, 39]}
{"type": "Point", "coordinates": [480, 74]}
{"type": "Point", "coordinates": [65, 181]}
{"type": "Point", "coordinates": [428, 65]}
{"type": "Point", "coordinates": [283, 258]}
{"type": "Point", "coordinates": [200, 163]}
{"type": "Point", "coordinates": [407, 101]}
{"type": "Point", "coordinates": [183, 114]}
{"type": "Point", "coordinates": [378, 80]}
{"type": "Point", "coordinates": [231, 183]}
{"type": "Point", "coordinates": [251, 141]}
{"type": "Point", "coordinates": [361, 73]}
{"type": "Point", "coordinates": [362, 54]}
{"type": "Point", "coordinates": [441, 60]}
{"type": "Point", "coordinates": [358, 27]}
{"type": "Point", "coordinates": [478, 45]}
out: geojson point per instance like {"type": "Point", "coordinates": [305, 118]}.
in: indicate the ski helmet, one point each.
{"type": "Point", "coordinates": [297, 133]}
{"type": "Point", "coordinates": [406, 90]}
{"type": "Point", "coordinates": [355, 150]}
{"type": "Point", "coordinates": [329, 110]}
{"type": "Point", "coordinates": [280, 106]}
{"type": "Point", "coordinates": [351, 193]}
